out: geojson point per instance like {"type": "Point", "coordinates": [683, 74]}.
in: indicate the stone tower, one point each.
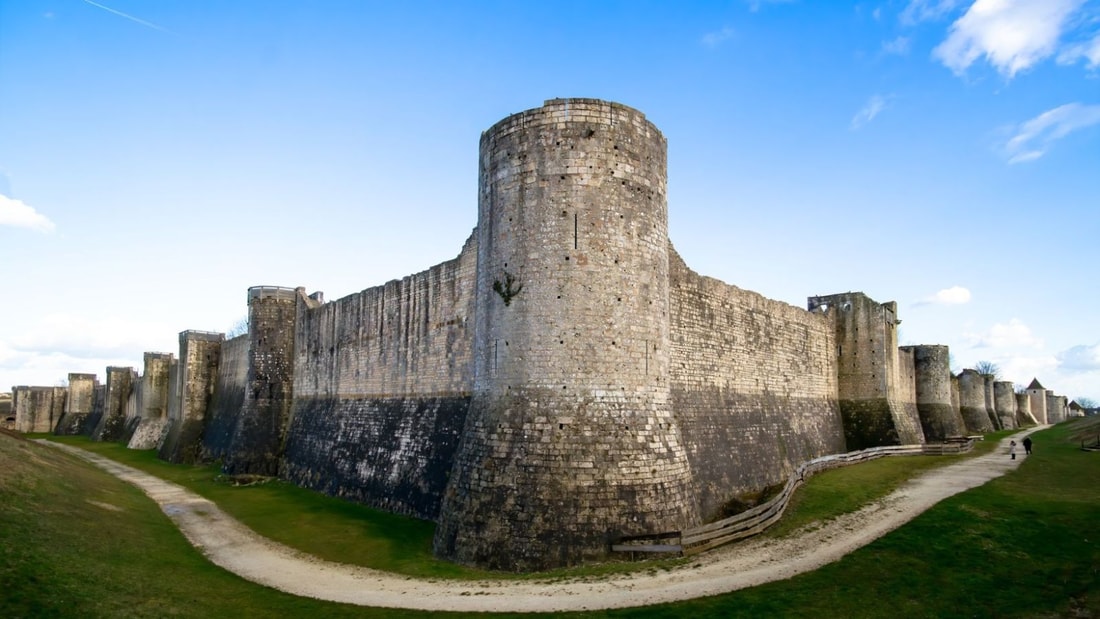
{"type": "Point", "coordinates": [260, 433]}
{"type": "Point", "coordinates": [939, 418]}
{"type": "Point", "coordinates": [570, 440]}
{"type": "Point", "coordinates": [972, 402]}
{"type": "Point", "coordinates": [873, 400]}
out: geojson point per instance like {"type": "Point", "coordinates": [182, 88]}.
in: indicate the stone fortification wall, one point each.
{"type": "Point", "coordinates": [1004, 402]}
{"type": "Point", "coordinates": [111, 425]}
{"type": "Point", "coordinates": [990, 406]}
{"type": "Point", "coordinates": [383, 377]}
{"type": "Point", "coordinates": [905, 388]}
{"type": "Point", "coordinates": [876, 407]}
{"type": "Point", "coordinates": [260, 433]}
{"type": "Point", "coordinates": [972, 402]}
{"type": "Point", "coordinates": [37, 409]}
{"type": "Point", "coordinates": [939, 415]}
{"type": "Point", "coordinates": [153, 406]}
{"type": "Point", "coordinates": [132, 409]}
{"type": "Point", "coordinates": [230, 383]}
{"type": "Point", "coordinates": [1023, 410]}
{"type": "Point", "coordinates": [79, 401]}
{"type": "Point", "coordinates": [1038, 399]}
{"type": "Point", "coordinates": [200, 353]}
{"type": "Point", "coordinates": [753, 384]}
{"type": "Point", "coordinates": [570, 439]}
{"type": "Point", "coordinates": [7, 415]}
{"type": "Point", "coordinates": [1056, 408]}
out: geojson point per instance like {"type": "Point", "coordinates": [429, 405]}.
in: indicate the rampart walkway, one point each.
{"type": "Point", "coordinates": [236, 548]}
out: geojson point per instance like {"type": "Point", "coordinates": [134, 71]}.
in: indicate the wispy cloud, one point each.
{"type": "Point", "coordinates": [874, 106]}
{"type": "Point", "coordinates": [1012, 333]}
{"type": "Point", "coordinates": [926, 10]}
{"type": "Point", "coordinates": [1032, 138]}
{"type": "Point", "coordinates": [1089, 51]}
{"type": "Point", "coordinates": [714, 39]}
{"type": "Point", "coordinates": [955, 295]}
{"type": "Point", "coordinates": [1080, 358]}
{"type": "Point", "coordinates": [899, 46]}
{"type": "Point", "coordinates": [1012, 35]}
{"type": "Point", "coordinates": [127, 16]}
{"type": "Point", "coordinates": [15, 213]}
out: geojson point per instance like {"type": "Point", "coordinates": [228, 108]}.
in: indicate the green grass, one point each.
{"type": "Point", "coordinates": [844, 490]}
{"type": "Point", "coordinates": [1024, 545]}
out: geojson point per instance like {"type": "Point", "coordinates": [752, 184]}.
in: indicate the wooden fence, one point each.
{"type": "Point", "coordinates": [753, 521]}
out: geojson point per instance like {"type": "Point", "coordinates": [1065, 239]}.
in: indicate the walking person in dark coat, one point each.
{"type": "Point", "coordinates": [1027, 445]}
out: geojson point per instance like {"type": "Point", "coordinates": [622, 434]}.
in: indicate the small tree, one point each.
{"type": "Point", "coordinates": [987, 368]}
{"type": "Point", "coordinates": [1086, 402]}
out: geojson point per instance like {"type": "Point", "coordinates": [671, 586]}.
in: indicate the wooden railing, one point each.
{"type": "Point", "coordinates": [753, 521]}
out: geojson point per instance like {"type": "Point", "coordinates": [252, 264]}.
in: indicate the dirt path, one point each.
{"type": "Point", "coordinates": [233, 546]}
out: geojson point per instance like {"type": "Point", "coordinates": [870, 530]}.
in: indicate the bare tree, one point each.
{"type": "Point", "coordinates": [239, 328]}
{"type": "Point", "coordinates": [988, 368]}
{"type": "Point", "coordinates": [1087, 402]}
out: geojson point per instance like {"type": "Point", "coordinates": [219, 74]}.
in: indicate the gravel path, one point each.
{"type": "Point", "coordinates": [237, 548]}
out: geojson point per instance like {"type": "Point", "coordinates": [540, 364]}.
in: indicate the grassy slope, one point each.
{"type": "Point", "coordinates": [1023, 545]}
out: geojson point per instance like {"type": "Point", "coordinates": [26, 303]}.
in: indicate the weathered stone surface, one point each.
{"type": "Point", "coordinates": [111, 425]}
{"type": "Point", "coordinates": [200, 353]}
{"type": "Point", "coordinates": [37, 409]}
{"type": "Point", "coordinates": [570, 439]}
{"type": "Point", "coordinates": [939, 415]}
{"type": "Point", "coordinates": [876, 392]}
{"type": "Point", "coordinates": [228, 400]}
{"type": "Point", "coordinates": [391, 453]}
{"type": "Point", "coordinates": [972, 402]}
{"type": "Point", "coordinates": [1004, 402]}
{"type": "Point", "coordinates": [753, 386]}
{"type": "Point", "coordinates": [260, 433]}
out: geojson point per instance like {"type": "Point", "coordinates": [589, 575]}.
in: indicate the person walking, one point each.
{"type": "Point", "coordinates": [1027, 445]}
{"type": "Point", "coordinates": [1012, 449]}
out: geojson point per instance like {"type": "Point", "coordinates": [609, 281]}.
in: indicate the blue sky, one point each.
{"type": "Point", "coordinates": [157, 159]}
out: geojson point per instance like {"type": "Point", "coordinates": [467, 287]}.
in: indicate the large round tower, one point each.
{"type": "Point", "coordinates": [570, 440]}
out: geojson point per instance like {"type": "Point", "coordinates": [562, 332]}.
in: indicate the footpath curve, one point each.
{"type": "Point", "coordinates": [234, 547]}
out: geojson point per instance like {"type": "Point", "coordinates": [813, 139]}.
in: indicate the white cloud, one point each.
{"type": "Point", "coordinates": [1089, 50]}
{"type": "Point", "coordinates": [1014, 333]}
{"type": "Point", "coordinates": [926, 10]}
{"type": "Point", "coordinates": [714, 39]}
{"type": "Point", "coordinates": [1080, 358]}
{"type": "Point", "coordinates": [1012, 35]}
{"type": "Point", "coordinates": [874, 105]}
{"type": "Point", "coordinates": [955, 295]}
{"type": "Point", "coordinates": [1032, 138]}
{"type": "Point", "coordinates": [899, 46]}
{"type": "Point", "coordinates": [15, 213]}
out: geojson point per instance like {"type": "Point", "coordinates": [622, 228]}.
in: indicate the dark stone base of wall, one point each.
{"type": "Point", "coordinates": [111, 428]}
{"type": "Point", "coordinates": [91, 422]}
{"type": "Point", "coordinates": [395, 454]}
{"type": "Point", "coordinates": [544, 480]}
{"type": "Point", "coordinates": [221, 422]}
{"type": "Point", "coordinates": [71, 424]}
{"type": "Point", "coordinates": [131, 426]}
{"type": "Point", "coordinates": [182, 442]}
{"type": "Point", "coordinates": [940, 421]}
{"type": "Point", "coordinates": [257, 444]}
{"type": "Point", "coordinates": [868, 423]}
{"type": "Point", "coordinates": [976, 420]}
{"type": "Point", "coordinates": [739, 445]}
